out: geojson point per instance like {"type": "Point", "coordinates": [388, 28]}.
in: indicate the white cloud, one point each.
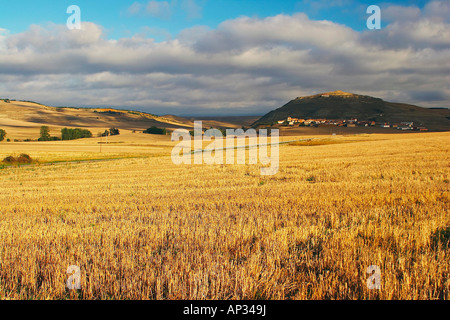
{"type": "Point", "coordinates": [192, 8]}
{"type": "Point", "coordinates": [156, 9]}
{"type": "Point", "coordinates": [135, 8]}
{"type": "Point", "coordinates": [438, 10]}
{"type": "Point", "coordinates": [315, 6]}
{"type": "Point", "coordinates": [159, 9]}
{"type": "Point", "coordinates": [3, 35]}
{"type": "Point", "coordinates": [296, 31]}
{"type": "Point", "coordinates": [401, 13]}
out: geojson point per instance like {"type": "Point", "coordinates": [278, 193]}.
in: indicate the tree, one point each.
{"type": "Point", "coordinates": [105, 134]}
{"type": "Point", "coordinates": [111, 132]}
{"type": "Point", "coordinates": [2, 134]}
{"type": "Point", "coordinates": [72, 134]}
{"type": "Point", "coordinates": [45, 134]}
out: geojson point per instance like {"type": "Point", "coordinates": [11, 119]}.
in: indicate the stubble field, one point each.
{"type": "Point", "coordinates": [143, 228]}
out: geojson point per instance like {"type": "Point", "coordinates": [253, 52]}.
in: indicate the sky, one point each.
{"type": "Point", "coordinates": [217, 57]}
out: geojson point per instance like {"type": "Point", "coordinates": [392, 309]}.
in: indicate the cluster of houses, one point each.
{"type": "Point", "coordinates": [353, 122]}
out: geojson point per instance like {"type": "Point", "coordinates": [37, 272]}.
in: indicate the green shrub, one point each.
{"type": "Point", "coordinates": [114, 131]}
{"type": "Point", "coordinates": [155, 130]}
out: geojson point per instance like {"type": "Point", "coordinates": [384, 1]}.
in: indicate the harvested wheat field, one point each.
{"type": "Point", "coordinates": [141, 227]}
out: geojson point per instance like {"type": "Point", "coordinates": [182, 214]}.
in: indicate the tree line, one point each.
{"type": "Point", "coordinates": [77, 133]}
{"type": "Point", "coordinates": [66, 134]}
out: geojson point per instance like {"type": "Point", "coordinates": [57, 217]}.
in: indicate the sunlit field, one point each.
{"type": "Point", "coordinates": [140, 227]}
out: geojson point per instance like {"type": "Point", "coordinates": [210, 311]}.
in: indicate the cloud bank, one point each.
{"type": "Point", "coordinates": [244, 66]}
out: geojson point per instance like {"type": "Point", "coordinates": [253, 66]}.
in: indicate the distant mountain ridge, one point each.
{"type": "Point", "coordinates": [344, 105]}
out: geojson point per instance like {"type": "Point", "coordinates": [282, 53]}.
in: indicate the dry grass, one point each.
{"type": "Point", "coordinates": [125, 145]}
{"type": "Point", "coordinates": [146, 229]}
{"type": "Point", "coordinates": [315, 141]}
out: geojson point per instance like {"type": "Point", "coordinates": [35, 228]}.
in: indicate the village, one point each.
{"type": "Point", "coordinates": [353, 122]}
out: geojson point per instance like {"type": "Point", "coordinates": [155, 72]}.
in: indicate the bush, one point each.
{"type": "Point", "coordinates": [10, 159]}
{"type": "Point", "coordinates": [22, 158]}
{"type": "Point", "coordinates": [155, 130]}
{"type": "Point", "coordinates": [114, 132]}
{"type": "Point", "coordinates": [50, 139]}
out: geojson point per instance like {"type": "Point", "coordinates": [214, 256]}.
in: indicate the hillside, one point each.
{"type": "Point", "coordinates": [22, 120]}
{"type": "Point", "coordinates": [236, 120]}
{"type": "Point", "coordinates": [344, 105]}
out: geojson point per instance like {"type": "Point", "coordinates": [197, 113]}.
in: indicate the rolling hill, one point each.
{"type": "Point", "coordinates": [344, 105]}
{"type": "Point", "coordinates": [22, 119]}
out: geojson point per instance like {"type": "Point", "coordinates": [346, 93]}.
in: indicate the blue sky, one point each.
{"type": "Point", "coordinates": [119, 20]}
{"type": "Point", "coordinates": [217, 57]}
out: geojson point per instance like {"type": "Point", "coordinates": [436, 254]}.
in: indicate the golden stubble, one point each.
{"type": "Point", "coordinates": [143, 228]}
